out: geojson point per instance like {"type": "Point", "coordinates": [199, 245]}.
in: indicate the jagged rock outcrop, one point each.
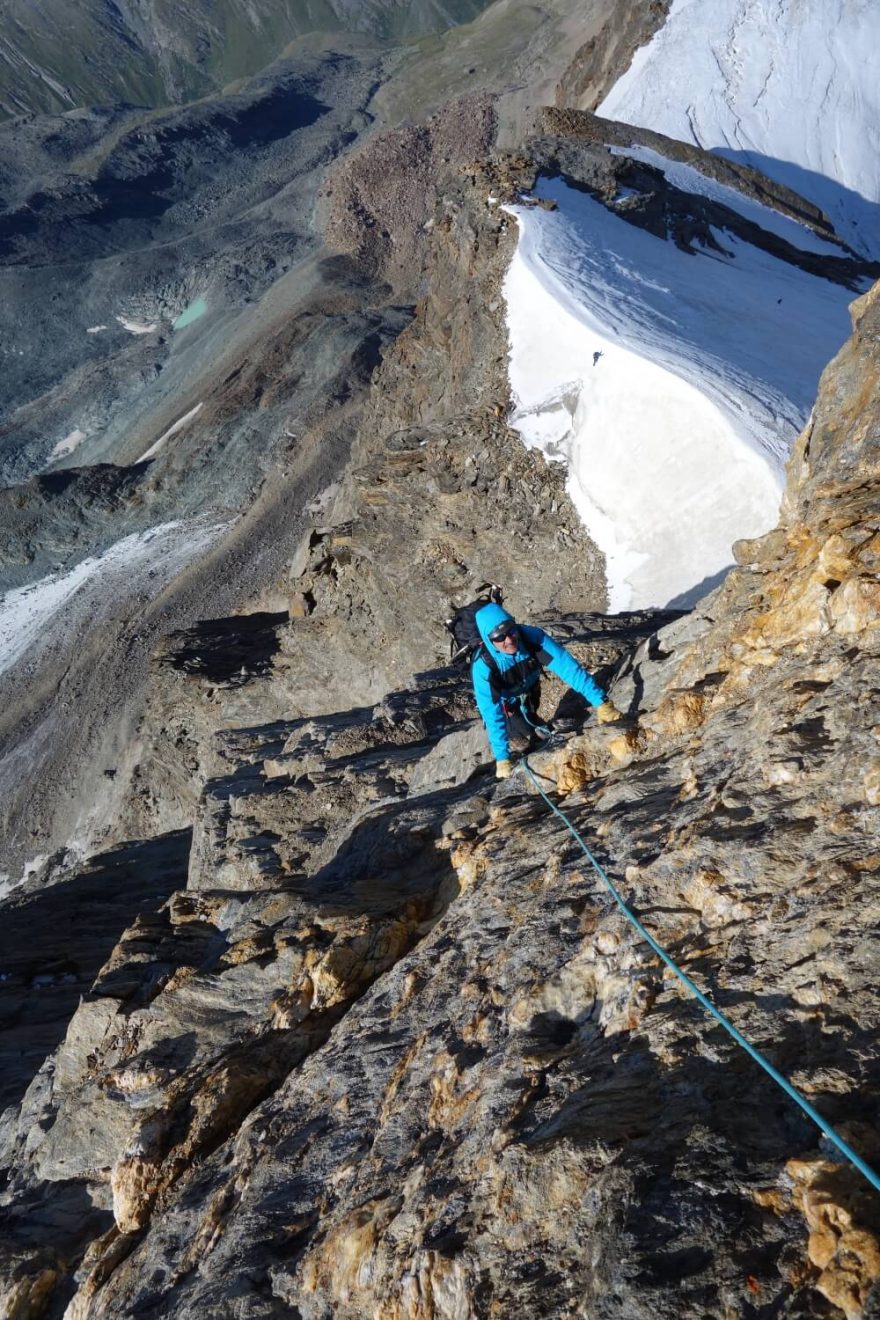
{"type": "Point", "coordinates": [565, 128]}
{"type": "Point", "coordinates": [43, 977]}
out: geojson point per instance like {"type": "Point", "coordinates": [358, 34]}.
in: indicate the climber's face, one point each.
{"type": "Point", "coordinates": [504, 639]}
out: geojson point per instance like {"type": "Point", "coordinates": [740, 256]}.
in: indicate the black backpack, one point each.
{"type": "Point", "coordinates": [466, 642]}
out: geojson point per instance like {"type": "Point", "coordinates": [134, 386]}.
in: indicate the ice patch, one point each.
{"type": "Point", "coordinates": [671, 383]}
{"type": "Point", "coordinates": [68, 444]}
{"type": "Point", "coordinates": [172, 430]}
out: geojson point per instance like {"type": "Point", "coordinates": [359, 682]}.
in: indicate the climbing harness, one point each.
{"type": "Point", "coordinates": [823, 1125]}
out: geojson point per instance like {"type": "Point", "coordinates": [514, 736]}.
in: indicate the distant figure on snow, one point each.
{"type": "Point", "coordinates": [506, 675]}
{"type": "Point", "coordinates": [596, 356]}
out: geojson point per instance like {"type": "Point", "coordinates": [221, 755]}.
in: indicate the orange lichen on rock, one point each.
{"type": "Point", "coordinates": [843, 1243]}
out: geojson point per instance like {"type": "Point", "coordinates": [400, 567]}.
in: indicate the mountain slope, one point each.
{"type": "Point", "coordinates": [56, 55]}
{"type": "Point", "coordinates": [391, 1051]}
{"type": "Point", "coordinates": [357, 1033]}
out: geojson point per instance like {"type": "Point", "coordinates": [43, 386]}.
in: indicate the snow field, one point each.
{"type": "Point", "coordinates": [657, 476]}
{"type": "Point", "coordinates": [790, 87]}
{"type": "Point", "coordinates": [676, 435]}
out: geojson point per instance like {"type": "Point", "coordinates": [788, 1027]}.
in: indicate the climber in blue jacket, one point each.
{"type": "Point", "coordinates": [506, 674]}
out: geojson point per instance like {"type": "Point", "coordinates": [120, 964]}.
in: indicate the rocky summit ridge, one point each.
{"type": "Point", "coordinates": [331, 1022]}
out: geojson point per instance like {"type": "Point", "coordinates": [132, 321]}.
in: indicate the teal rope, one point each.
{"type": "Point", "coordinates": [824, 1126]}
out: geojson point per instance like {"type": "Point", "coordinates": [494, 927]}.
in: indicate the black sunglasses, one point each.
{"type": "Point", "coordinates": [502, 631]}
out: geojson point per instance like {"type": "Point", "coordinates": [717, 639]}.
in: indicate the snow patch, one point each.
{"type": "Point", "coordinates": [790, 88]}
{"type": "Point", "coordinates": [95, 329]}
{"type": "Point", "coordinates": [671, 384]}
{"type": "Point", "coordinates": [138, 327]}
{"type": "Point", "coordinates": [27, 613]}
{"type": "Point", "coordinates": [172, 430]}
{"type": "Point", "coordinates": [320, 505]}
{"type": "Point", "coordinates": [68, 444]}
{"type": "Point", "coordinates": [8, 883]}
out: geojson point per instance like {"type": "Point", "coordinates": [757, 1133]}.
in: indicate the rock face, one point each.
{"type": "Point", "coordinates": [321, 859]}
{"type": "Point", "coordinates": [43, 979]}
{"type": "Point", "coordinates": [591, 72]}
{"type": "Point", "coordinates": [392, 1051]}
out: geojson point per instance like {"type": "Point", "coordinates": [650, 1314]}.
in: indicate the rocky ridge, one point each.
{"type": "Point", "coordinates": [263, 403]}
{"type": "Point", "coordinates": [393, 1050]}
{"type": "Point", "coordinates": [354, 789]}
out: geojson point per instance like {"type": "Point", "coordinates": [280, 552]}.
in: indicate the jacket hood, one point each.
{"type": "Point", "coordinates": [489, 618]}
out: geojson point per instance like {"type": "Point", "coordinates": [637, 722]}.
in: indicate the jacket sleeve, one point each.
{"type": "Point", "coordinates": [567, 668]}
{"type": "Point", "coordinates": [490, 710]}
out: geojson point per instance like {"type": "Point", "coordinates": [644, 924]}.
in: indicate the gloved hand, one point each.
{"type": "Point", "coordinates": [607, 713]}
{"type": "Point", "coordinates": [503, 769]}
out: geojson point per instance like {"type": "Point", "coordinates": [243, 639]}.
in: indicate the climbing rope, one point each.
{"type": "Point", "coordinates": [822, 1124]}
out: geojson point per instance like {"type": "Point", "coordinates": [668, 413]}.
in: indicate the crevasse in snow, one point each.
{"type": "Point", "coordinates": [788, 86]}
{"type": "Point", "coordinates": [671, 383]}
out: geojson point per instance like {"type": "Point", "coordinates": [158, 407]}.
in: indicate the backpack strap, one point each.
{"type": "Point", "coordinates": [536, 652]}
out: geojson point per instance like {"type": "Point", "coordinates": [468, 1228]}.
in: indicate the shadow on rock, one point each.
{"type": "Point", "coordinates": [54, 941]}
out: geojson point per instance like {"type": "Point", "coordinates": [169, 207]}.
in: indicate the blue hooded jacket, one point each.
{"type": "Point", "coordinates": [560, 663]}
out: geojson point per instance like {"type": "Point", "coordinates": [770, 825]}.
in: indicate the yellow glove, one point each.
{"type": "Point", "coordinates": [607, 713]}
{"type": "Point", "coordinates": [503, 769]}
